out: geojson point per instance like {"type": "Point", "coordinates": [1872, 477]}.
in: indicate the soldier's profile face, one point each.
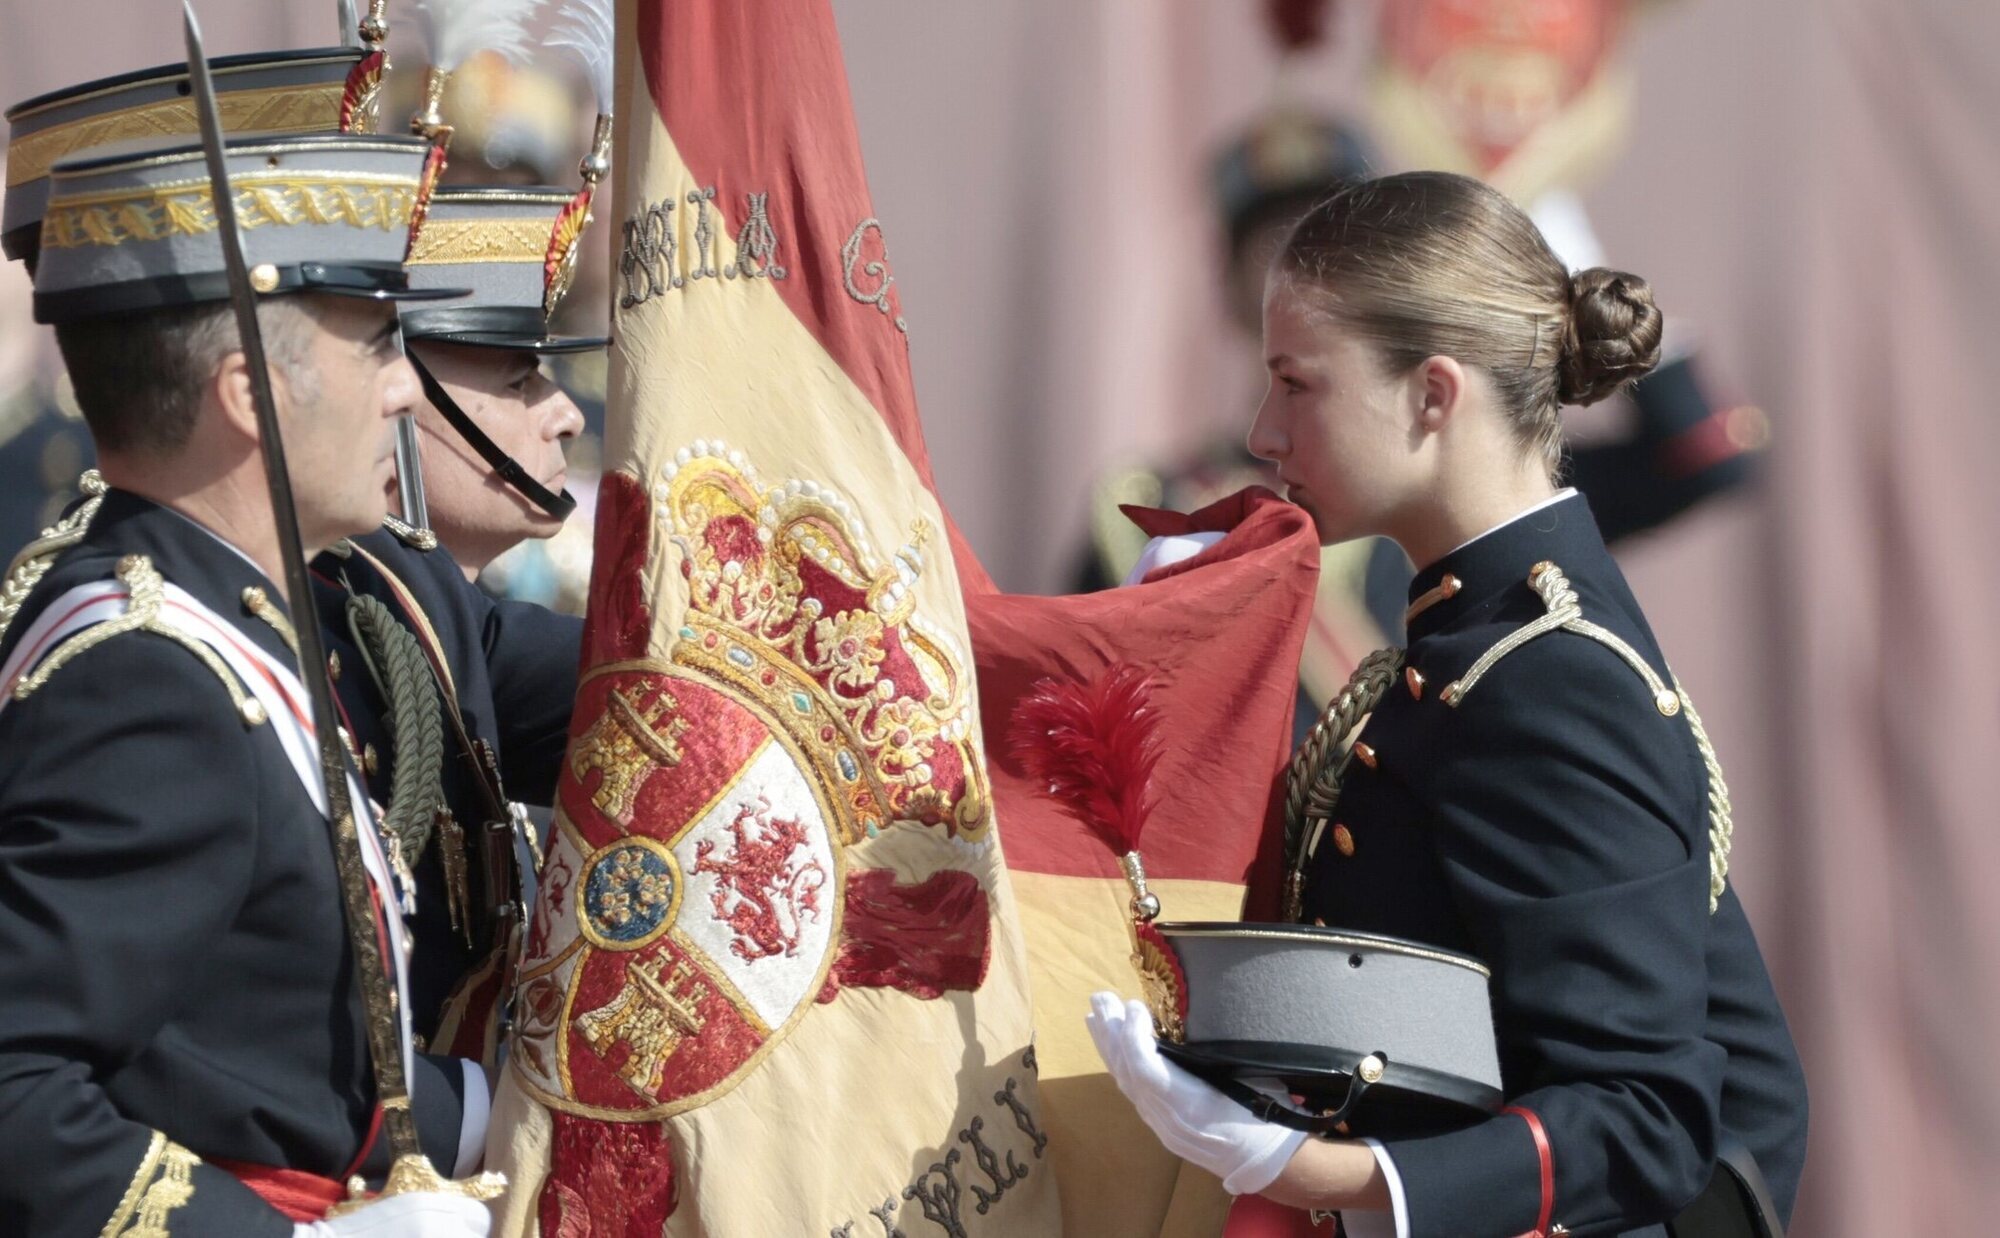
{"type": "Point", "coordinates": [513, 401]}
{"type": "Point", "coordinates": [339, 403]}
{"type": "Point", "coordinates": [1335, 423]}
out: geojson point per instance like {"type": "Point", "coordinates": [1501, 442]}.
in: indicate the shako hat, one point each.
{"type": "Point", "coordinates": [132, 227]}
{"type": "Point", "coordinates": [516, 247]}
{"type": "Point", "coordinates": [315, 90]}
{"type": "Point", "coordinates": [1387, 1036]}
{"type": "Point", "coordinates": [509, 246]}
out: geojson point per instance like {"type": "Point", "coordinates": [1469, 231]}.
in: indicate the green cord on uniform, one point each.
{"type": "Point", "coordinates": [396, 662]}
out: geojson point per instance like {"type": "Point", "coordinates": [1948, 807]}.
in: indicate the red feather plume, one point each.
{"type": "Point", "coordinates": [1092, 745]}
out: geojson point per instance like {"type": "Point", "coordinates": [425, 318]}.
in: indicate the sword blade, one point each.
{"type": "Point", "coordinates": [372, 968]}
{"type": "Point", "coordinates": [410, 476]}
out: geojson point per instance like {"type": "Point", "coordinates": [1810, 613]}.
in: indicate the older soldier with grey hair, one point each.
{"type": "Point", "coordinates": [182, 1046]}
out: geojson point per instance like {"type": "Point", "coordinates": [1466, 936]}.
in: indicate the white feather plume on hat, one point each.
{"type": "Point", "coordinates": [584, 29]}
{"type": "Point", "coordinates": [453, 30]}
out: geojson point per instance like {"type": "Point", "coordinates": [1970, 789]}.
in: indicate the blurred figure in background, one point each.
{"type": "Point", "coordinates": [43, 448]}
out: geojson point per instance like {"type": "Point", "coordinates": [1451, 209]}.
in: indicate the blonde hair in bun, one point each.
{"type": "Point", "coordinates": [1426, 264]}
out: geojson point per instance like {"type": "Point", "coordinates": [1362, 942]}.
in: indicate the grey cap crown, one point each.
{"type": "Point", "coordinates": [264, 92]}
{"type": "Point", "coordinates": [132, 226]}
{"type": "Point", "coordinates": [494, 241]}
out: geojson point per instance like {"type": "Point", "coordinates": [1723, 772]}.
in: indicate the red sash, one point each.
{"type": "Point", "coordinates": [299, 1195]}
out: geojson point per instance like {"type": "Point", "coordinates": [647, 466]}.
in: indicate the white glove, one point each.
{"type": "Point", "coordinates": [420, 1215]}
{"type": "Point", "coordinates": [1166, 551]}
{"type": "Point", "coordinates": [1194, 1121]}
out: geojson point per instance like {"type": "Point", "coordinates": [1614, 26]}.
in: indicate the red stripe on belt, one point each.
{"type": "Point", "coordinates": [1548, 1166]}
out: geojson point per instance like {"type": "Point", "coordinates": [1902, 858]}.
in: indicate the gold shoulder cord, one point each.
{"type": "Point", "coordinates": [35, 559]}
{"type": "Point", "coordinates": [260, 606]}
{"type": "Point", "coordinates": [164, 1182]}
{"type": "Point", "coordinates": [1721, 819]}
{"type": "Point", "coordinates": [1312, 781]}
{"type": "Point", "coordinates": [142, 614]}
{"type": "Point", "coordinates": [1565, 613]}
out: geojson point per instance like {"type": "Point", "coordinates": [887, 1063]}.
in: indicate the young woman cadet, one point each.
{"type": "Point", "coordinates": [1534, 789]}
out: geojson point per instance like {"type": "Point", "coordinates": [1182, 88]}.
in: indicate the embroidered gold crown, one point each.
{"type": "Point", "coordinates": [790, 602]}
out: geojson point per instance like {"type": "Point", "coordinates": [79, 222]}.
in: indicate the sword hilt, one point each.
{"type": "Point", "coordinates": [413, 1174]}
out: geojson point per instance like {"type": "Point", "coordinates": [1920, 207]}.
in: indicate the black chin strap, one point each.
{"type": "Point", "coordinates": [557, 505]}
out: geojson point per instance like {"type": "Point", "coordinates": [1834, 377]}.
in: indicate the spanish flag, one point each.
{"type": "Point", "coordinates": [777, 980]}
{"type": "Point", "coordinates": [774, 981]}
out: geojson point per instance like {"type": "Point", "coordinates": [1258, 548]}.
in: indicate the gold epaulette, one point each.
{"type": "Point", "coordinates": [142, 614]}
{"type": "Point", "coordinates": [35, 559]}
{"type": "Point", "coordinates": [1565, 614]}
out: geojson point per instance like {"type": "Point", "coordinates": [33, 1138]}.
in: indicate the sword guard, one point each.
{"type": "Point", "coordinates": [413, 1174]}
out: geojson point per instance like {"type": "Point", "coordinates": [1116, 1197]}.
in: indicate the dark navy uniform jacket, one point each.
{"type": "Point", "coordinates": [1554, 823]}
{"type": "Point", "coordinates": [175, 974]}
{"type": "Point", "coordinates": [513, 668]}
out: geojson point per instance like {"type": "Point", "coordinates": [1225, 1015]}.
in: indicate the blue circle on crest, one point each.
{"type": "Point", "coordinates": [631, 890]}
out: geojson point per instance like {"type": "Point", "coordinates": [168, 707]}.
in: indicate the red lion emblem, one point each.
{"type": "Point", "coordinates": [761, 893]}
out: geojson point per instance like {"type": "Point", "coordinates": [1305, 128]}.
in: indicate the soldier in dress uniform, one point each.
{"type": "Point", "coordinates": [459, 706]}
{"type": "Point", "coordinates": [492, 428]}
{"type": "Point", "coordinates": [513, 142]}
{"type": "Point", "coordinates": [492, 710]}
{"type": "Point", "coordinates": [1533, 788]}
{"type": "Point", "coordinates": [494, 424]}
{"type": "Point", "coordinates": [461, 701]}
{"type": "Point", "coordinates": [183, 1048]}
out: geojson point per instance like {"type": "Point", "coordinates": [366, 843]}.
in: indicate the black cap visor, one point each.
{"type": "Point", "coordinates": [547, 345]}
{"type": "Point", "coordinates": [494, 326]}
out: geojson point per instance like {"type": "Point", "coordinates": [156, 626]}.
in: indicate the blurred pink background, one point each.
{"type": "Point", "coordinates": [1811, 183]}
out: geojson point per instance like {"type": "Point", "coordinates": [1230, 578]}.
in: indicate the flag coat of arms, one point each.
{"type": "Point", "coordinates": [774, 980]}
